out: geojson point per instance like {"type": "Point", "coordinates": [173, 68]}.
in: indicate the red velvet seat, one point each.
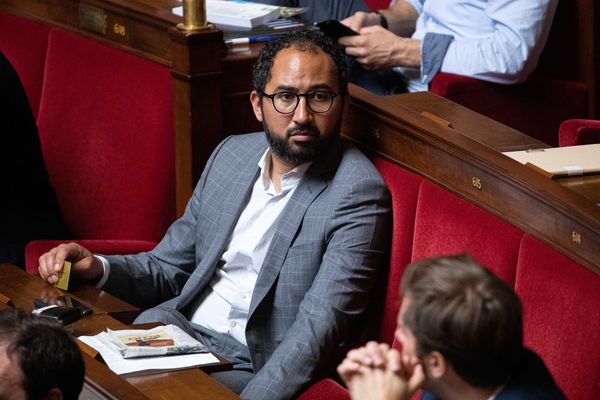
{"type": "Point", "coordinates": [446, 224]}
{"type": "Point", "coordinates": [404, 190]}
{"type": "Point", "coordinates": [24, 43]}
{"type": "Point", "coordinates": [326, 389]}
{"type": "Point", "coordinates": [579, 131]}
{"type": "Point", "coordinates": [561, 302]}
{"type": "Point", "coordinates": [377, 4]}
{"type": "Point", "coordinates": [106, 130]}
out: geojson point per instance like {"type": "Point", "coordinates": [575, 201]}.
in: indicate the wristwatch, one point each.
{"type": "Point", "coordinates": [382, 19]}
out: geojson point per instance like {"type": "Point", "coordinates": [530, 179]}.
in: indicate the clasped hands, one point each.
{"type": "Point", "coordinates": [376, 372]}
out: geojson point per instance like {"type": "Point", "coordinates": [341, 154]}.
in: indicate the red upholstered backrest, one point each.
{"type": "Point", "coordinates": [24, 43]}
{"type": "Point", "coordinates": [561, 316]}
{"type": "Point", "coordinates": [574, 132]}
{"type": "Point", "coordinates": [404, 189]}
{"type": "Point", "coordinates": [446, 224]}
{"type": "Point", "coordinates": [106, 129]}
{"type": "Point", "coordinates": [377, 4]}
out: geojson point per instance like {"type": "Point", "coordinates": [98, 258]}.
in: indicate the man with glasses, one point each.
{"type": "Point", "coordinates": [278, 250]}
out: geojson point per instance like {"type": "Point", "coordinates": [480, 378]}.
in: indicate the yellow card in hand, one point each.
{"type": "Point", "coordinates": [63, 277]}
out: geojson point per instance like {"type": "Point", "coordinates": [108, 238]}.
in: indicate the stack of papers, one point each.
{"type": "Point", "coordinates": [158, 349]}
{"type": "Point", "coordinates": [248, 15]}
{"type": "Point", "coordinates": [561, 161]}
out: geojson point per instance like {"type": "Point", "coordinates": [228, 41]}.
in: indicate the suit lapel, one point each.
{"type": "Point", "coordinates": [242, 176]}
{"type": "Point", "coordinates": [312, 184]}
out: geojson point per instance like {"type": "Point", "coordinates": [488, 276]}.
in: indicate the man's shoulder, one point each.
{"type": "Point", "coordinates": [531, 380]}
{"type": "Point", "coordinates": [245, 142]}
{"type": "Point", "coordinates": [356, 165]}
{"type": "Point", "coordinates": [240, 148]}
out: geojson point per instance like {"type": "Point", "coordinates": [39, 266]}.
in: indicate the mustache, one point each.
{"type": "Point", "coordinates": [309, 130]}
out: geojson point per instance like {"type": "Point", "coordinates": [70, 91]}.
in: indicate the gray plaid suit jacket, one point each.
{"type": "Point", "coordinates": [317, 275]}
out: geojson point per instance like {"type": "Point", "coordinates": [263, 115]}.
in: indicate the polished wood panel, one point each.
{"type": "Point", "coordinates": [466, 160]}
{"type": "Point", "coordinates": [137, 26]}
{"type": "Point", "coordinates": [237, 77]}
{"type": "Point", "coordinates": [22, 288]}
{"type": "Point", "coordinates": [102, 383]}
{"type": "Point", "coordinates": [587, 186]}
{"type": "Point", "coordinates": [184, 384]}
{"type": "Point", "coordinates": [475, 126]}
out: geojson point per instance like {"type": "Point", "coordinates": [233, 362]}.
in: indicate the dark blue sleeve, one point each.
{"type": "Point", "coordinates": [433, 50]}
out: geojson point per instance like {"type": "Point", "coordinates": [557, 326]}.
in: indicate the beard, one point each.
{"type": "Point", "coordinates": [301, 152]}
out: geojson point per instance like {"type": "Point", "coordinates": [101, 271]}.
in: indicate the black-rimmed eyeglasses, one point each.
{"type": "Point", "coordinates": [319, 101]}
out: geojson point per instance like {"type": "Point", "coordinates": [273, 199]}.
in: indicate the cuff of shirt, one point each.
{"type": "Point", "coordinates": [433, 50]}
{"type": "Point", "coordinates": [105, 273]}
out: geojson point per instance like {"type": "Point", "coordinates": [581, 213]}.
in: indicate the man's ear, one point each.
{"type": "Point", "coordinates": [435, 364]}
{"type": "Point", "coordinates": [256, 101]}
{"type": "Point", "coordinates": [54, 394]}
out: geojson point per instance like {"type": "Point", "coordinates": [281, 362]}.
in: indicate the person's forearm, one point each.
{"type": "Point", "coordinates": [407, 53]}
{"type": "Point", "coordinates": [401, 18]}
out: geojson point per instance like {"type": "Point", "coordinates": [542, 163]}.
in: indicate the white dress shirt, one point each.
{"type": "Point", "coordinates": [224, 304]}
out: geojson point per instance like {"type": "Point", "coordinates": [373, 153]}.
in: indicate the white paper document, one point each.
{"type": "Point", "coordinates": [160, 341]}
{"type": "Point", "coordinates": [120, 365]}
{"type": "Point", "coordinates": [562, 161]}
{"type": "Point", "coordinates": [237, 14]}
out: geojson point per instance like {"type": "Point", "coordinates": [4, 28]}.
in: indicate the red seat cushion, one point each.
{"type": "Point", "coordinates": [24, 43]}
{"type": "Point", "coordinates": [325, 389]}
{"type": "Point", "coordinates": [561, 316]}
{"type": "Point", "coordinates": [106, 127]}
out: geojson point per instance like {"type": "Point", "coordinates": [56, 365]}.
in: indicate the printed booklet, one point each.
{"type": "Point", "coordinates": [159, 341]}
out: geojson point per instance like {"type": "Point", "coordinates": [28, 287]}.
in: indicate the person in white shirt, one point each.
{"type": "Point", "coordinates": [279, 247]}
{"type": "Point", "coordinates": [493, 40]}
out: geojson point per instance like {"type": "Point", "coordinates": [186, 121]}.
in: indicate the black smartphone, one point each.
{"type": "Point", "coordinates": [66, 301]}
{"type": "Point", "coordinates": [335, 29]}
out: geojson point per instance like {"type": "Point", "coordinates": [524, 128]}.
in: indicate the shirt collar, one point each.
{"type": "Point", "coordinates": [289, 180]}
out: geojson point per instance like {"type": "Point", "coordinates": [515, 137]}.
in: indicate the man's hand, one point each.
{"type": "Point", "coordinates": [360, 20]}
{"type": "Point", "coordinates": [84, 266]}
{"type": "Point", "coordinates": [378, 48]}
{"type": "Point", "coordinates": [376, 372]}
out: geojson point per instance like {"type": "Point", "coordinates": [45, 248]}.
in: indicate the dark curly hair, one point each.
{"type": "Point", "coordinates": [303, 40]}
